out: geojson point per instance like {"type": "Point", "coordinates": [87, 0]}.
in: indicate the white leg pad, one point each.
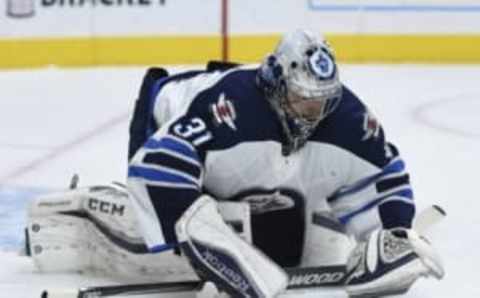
{"type": "Point", "coordinates": [225, 258]}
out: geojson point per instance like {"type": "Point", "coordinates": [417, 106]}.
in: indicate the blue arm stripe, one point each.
{"type": "Point", "coordinates": [162, 248]}
{"type": "Point", "coordinates": [157, 175]}
{"type": "Point", "coordinates": [172, 145]}
{"type": "Point", "coordinates": [406, 193]}
{"type": "Point", "coordinates": [395, 166]}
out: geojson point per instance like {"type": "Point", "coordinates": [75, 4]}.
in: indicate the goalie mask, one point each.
{"type": "Point", "coordinates": [300, 80]}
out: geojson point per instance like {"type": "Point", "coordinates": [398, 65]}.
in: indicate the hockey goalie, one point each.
{"type": "Point", "coordinates": [237, 174]}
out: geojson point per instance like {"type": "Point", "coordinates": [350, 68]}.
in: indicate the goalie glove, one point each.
{"type": "Point", "coordinates": [389, 262]}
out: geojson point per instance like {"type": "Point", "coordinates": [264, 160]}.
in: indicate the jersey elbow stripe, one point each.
{"type": "Point", "coordinates": [394, 167]}
{"type": "Point", "coordinates": [404, 194]}
{"type": "Point", "coordinates": [157, 175]}
{"type": "Point", "coordinates": [393, 182]}
{"type": "Point", "coordinates": [173, 171]}
{"type": "Point", "coordinates": [398, 199]}
{"type": "Point", "coordinates": [174, 186]}
{"type": "Point", "coordinates": [173, 144]}
{"type": "Point", "coordinates": [168, 161]}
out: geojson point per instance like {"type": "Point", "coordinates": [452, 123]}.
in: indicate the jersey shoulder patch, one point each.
{"type": "Point", "coordinates": [353, 127]}
{"type": "Point", "coordinates": [224, 112]}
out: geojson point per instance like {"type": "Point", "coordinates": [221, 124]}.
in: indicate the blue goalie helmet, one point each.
{"type": "Point", "coordinates": [300, 79]}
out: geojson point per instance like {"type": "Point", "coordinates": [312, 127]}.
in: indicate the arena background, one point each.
{"type": "Point", "coordinates": [70, 71]}
{"type": "Point", "coordinates": [136, 32]}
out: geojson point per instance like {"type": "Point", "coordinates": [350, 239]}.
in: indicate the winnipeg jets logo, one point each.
{"type": "Point", "coordinates": [322, 65]}
{"type": "Point", "coordinates": [224, 112]}
{"type": "Point", "coordinates": [263, 203]}
{"type": "Point", "coordinates": [371, 126]}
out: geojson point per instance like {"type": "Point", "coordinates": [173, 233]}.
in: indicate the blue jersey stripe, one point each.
{"type": "Point", "coordinates": [167, 160]}
{"type": "Point", "coordinates": [172, 145]}
{"type": "Point", "coordinates": [157, 175]}
{"type": "Point", "coordinates": [162, 247]}
{"type": "Point", "coordinates": [405, 193]}
{"type": "Point", "coordinates": [395, 166]}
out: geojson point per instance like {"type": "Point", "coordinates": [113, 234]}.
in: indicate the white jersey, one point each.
{"type": "Point", "coordinates": [217, 134]}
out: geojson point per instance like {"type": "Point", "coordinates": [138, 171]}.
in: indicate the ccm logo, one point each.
{"type": "Point", "coordinates": [105, 207]}
{"type": "Point", "coordinates": [313, 279]}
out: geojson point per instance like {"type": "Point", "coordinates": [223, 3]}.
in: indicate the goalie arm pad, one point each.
{"type": "Point", "coordinates": [221, 256]}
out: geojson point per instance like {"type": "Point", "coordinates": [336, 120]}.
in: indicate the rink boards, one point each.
{"type": "Point", "coordinates": [139, 32]}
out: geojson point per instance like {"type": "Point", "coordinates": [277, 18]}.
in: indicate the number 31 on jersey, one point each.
{"type": "Point", "coordinates": [194, 130]}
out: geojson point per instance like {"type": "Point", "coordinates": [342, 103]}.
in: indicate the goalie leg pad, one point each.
{"type": "Point", "coordinates": [95, 230]}
{"type": "Point", "coordinates": [221, 256]}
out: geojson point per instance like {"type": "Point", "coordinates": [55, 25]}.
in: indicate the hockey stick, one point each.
{"type": "Point", "coordinates": [131, 289]}
{"type": "Point", "coordinates": [428, 218]}
{"type": "Point", "coordinates": [299, 278]}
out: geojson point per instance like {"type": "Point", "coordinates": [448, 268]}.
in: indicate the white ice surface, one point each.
{"type": "Point", "coordinates": [56, 122]}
